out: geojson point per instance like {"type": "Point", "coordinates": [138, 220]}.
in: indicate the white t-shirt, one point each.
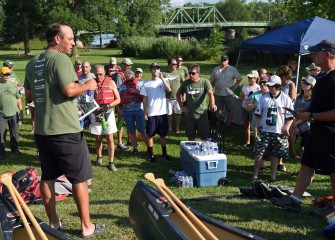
{"type": "Point", "coordinates": [82, 78]}
{"type": "Point", "coordinates": [272, 115]}
{"type": "Point", "coordinates": [247, 89]}
{"type": "Point", "coordinates": [156, 96]}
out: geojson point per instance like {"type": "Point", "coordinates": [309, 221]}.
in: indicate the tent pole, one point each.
{"type": "Point", "coordinates": [238, 58]}
{"type": "Point", "coordinates": [297, 79]}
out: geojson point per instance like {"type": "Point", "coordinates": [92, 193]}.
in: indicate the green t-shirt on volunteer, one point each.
{"type": "Point", "coordinates": [183, 70]}
{"type": "Point", "coordinates": [46, 75]}
{"type": "Point", "coordinates": [174, 83]}
{"type": "Point", "coordinates": [8, 99]}
{"type": "Point", "coordinates": [196, 96]}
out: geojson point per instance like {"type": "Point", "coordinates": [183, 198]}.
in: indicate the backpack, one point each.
{"type": "Point", "coordinates": [27, 184]}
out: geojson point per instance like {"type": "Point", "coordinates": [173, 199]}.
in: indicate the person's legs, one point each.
{"type": "Point", "coordinates": [14, 134]}
{"type": "Point", "coordinates": [3, 131]}
{"type": "Point", "coordinates": [81, 197]}
{"type": "Point", "coordinates": [177, 120]}
{"type": "Point", "coordinates": [177, 112]}
{"type": "Point", "coordinates": [190, 127]}
{"type": "Point", "coordinates": [247, 132]}
{"type": "Point", "coordinates": [32, 118]}
{"type": "Point", "coordinates": [202, 126]}
{"type": "Point", "coordinates": [257, 165]}
{"type": "Point", "coordinates": [274, 165]}
{"type": "Point", "coordinates": [170, 113]}
{"type": "Point", "coordinates": [170, 117]}
{"type": "Point", "coordinates": [49, 201]}
{"type": "Point", "coordinates": [111, 147]}
{"type": "Point", "coordinates": [98, 145]}
{"type": "Point", "coordinates": [305, 178]}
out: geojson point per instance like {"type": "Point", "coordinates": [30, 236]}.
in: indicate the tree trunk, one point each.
{"type": "Point", "coordinates": [100, 39]}
{"type": "Point", "coordinates": [25, 34]}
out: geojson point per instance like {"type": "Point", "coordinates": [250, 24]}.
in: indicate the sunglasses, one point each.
{"type": "Point", "coordinates": [224, 59]}
{"type": "Point", "coordinates": [173, 64]}
{"type": "Point", "coordinates": [7, 74]}
{"type": "Point", "coordinates": [193, 73]}
{"type": "Point", "coordinates": [179, 60]}
{"type": "Point", "coordinates": [263, 83]}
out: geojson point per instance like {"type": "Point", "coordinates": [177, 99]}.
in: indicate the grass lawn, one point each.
{"type": "Point", "coordinates": [111, 191]}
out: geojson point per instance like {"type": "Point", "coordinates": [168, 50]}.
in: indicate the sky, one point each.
{"type": "Point", "coordinates": [182, 2]}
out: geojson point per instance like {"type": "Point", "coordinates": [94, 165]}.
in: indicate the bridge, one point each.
{"type": "Point", "coordinates": [188, 19]}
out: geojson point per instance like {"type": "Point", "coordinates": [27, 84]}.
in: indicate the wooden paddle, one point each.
{"type": "Point", "coordinates": [188, 212]}
{"type": "Point", "coordinates": [150, 177]}
{"type": "Point", "coordinates": [6, 179]}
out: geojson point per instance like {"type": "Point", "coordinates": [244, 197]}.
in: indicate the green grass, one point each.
{"type": "Point", "coordinates": [111, 191]}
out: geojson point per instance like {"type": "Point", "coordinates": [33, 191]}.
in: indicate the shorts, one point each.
{"type": "Point", "coordinates": [134, 120]}
{"type": "Point", "coordinates": [273, 144]}
{"type": "Point", "coordinates": [64, 154]}
{"type": "Point", "coordinates": [319, 154]}
{"type": "Point", "coordinates": [157, 124]}
{"type": "Point", "coordinates": [173, 107]}
{"type": "Point", "coordinates": [227, 101]}
{"type": "Point", "coordinates": [200, 125]}
{"type": "Point", "coordinates": [245, 115]}
{"type": "Point", "coordinates": [96, 127]}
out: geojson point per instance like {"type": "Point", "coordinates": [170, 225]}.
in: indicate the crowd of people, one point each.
{"type": "Point", "coordinates": [273, 114]}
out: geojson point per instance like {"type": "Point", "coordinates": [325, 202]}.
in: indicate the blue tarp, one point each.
{"type": "Point", "coordinates": [294, 38]}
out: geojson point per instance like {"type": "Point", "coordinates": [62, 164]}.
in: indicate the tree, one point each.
{"type": "Point", "coordinates": [213, 46]}
{"type": "Point", "coordinates": [234, 10]}
{"type": "Point", "coordinates": [23, 19]}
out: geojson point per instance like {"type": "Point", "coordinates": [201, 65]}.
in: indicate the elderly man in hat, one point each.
{"type": "Point", "coordinates": [222, 79]}
{"type": "Point", "coordinates": [9, 98]}
{"type": "Point", "coordinates": [319, 154]}
{"type": "Point", "coordinates": [313, 70]}
{"type": "Point", "coordinates": [112, 68]}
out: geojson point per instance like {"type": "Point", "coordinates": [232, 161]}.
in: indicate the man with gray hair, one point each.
{"type": "Point", "coordinates": [319, 154]}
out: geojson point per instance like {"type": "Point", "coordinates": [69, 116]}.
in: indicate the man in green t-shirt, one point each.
{"type": "Point", "coordinates": [52, 83]}
{"type": "Point", "coordinates": [9, 99]}
{"type": "Point", "coordinates": [175, 78]}
{"type": "Point", "coordinates": [195, 107]}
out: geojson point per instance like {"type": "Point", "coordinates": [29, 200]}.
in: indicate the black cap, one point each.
{"type": "Point", "coordinates": [327, 45]}
{"type": "Point", "coordinates": [224, 57]}
{"type": "Point", "coordinates": [153, 65]}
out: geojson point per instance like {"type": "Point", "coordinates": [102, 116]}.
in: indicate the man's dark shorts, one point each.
{"type": "Point", "coordinates": [319, 154]}
{"type": "Point", "coordinates": [64, 154]}
{"type": "Point", "coordinates": [157, 124]}
{"type": "Point", "coordinates": [200, 125]}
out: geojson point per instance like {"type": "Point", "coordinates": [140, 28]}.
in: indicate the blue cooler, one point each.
{"type": "Point", "coordinates": [205, 170]}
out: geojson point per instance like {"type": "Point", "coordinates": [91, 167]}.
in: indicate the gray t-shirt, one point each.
{"type": "Point", "coordinates": [223, 79]}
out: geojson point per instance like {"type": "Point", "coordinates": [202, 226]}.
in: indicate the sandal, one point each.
{"type": "Point", "coordinates": [247, 145]}
{"type": "Point", "coordinates": [62, 225]}
{"type": "Point", "coordinates": [261, 170]}
{"type": "Point", "coordinates": [296, 157]}
{"type": "Point", "coordinates": [282, 168]}
{"type": "Point", "coordinates": [99, 228]}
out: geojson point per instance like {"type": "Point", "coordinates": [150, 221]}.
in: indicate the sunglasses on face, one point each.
{"type": "Point", "coordinates": [263, 84]}
{"type": "Point", "coordinates": [7, 74]}
{"type": "Point", "coordinates": [224, 59]}
{"type": "Point", "coordinates": [193, 73]}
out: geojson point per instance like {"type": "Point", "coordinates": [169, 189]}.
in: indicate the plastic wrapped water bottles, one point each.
{"type": "Point", "coordinates": [89, 96]}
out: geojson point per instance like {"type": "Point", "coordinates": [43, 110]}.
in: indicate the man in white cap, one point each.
{"type": "Point", "coordinates": [271, 126]}
{"type": "Point", "coordinates": [9, 98]}
{"type": "Point", "coordinates": [319, 153]}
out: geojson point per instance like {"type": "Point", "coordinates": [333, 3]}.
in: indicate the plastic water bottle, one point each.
{"type": "Point", "coordinates": [211, 150]}
{"type": "Point", "coordinates": [190, 178]}
{"type": "Point", "coordinates": [298, 143]}
{"type": "Point", "coordinates": [120, 123]}
{"type": "Point", "coordinates": [103, 123]}
{"type": "Point", "coordinates": [89, 96]}
{"type": "Point", "coordinates": [196, 150]}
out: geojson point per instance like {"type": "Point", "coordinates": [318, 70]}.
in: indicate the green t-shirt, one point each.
{"type": "Point", "coordinates": [46, 75]}
{"type": "Point", "coordinates": [183, 70]}
{"type": "Point", "coordinates": [174, 83]}
{"type": "Point", "coordinates": [196, 96]}
{"type": "Point", "coordinates": [8, 98]}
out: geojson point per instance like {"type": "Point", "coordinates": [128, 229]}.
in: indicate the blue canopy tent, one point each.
{"type": "Point", "coordinates": [293, 39]}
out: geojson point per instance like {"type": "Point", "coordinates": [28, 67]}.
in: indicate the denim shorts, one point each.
{"type": "Point", "coordinates": [134, 120]}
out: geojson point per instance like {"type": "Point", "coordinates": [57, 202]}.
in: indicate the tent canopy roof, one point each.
{"type": "Point", "coordinates": [294, 38]}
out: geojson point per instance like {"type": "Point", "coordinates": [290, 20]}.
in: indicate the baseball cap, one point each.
{"type": "Point", "coordinates": [155, 65]}
{"type": "Point", "coordinates": [224, 57]}
{"type": "Point", "coordinates": [8, 63]}
{"type": "Point", "coordinates": [5, 70]}
{"type": "Point", "coordinates": [313, 67]}
{"type": "Point", "coordinates": [77, 62]}
{"type": "Point", "coordinates": [253, 74]}
{"type": "Point", "coordinates": [310, 80]}
{"type": "Point", "coordinates": [274, 80]}
{"type": "Point", "coordinates": [127, 61]}
{"type": "Point", "coordinates": [112, 60]}
{"type": "Point", "coordinates": [139, 70]}
{"type": "Point", "coordinates": [325, 45]}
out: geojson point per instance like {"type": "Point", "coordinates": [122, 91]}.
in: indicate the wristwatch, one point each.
{"type": "Point", "coordinates": [311, 117]}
